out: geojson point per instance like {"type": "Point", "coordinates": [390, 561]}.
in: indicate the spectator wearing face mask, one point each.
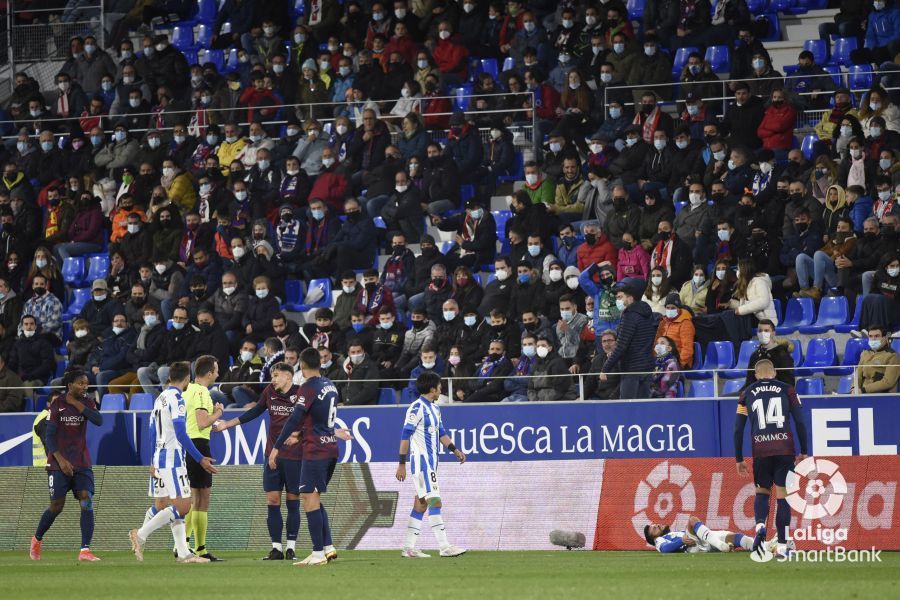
{"type": "Point", "coordinates": [360, 386]}
{"type": "Point", "coordinates": [879, 366]}
{"type": "Point", "coordinates": [678, 326]}
{"type": "Point", "coordinates": [773, 349]}
{"type": "Point", "coordinates": [32, 357]}
{"type": "Point", "coordinates": [549, 382]}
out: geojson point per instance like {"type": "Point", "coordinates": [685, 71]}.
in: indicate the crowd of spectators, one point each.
{"type": "Point", "coordinates": [636, 231]}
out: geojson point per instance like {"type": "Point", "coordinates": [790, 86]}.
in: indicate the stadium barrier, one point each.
{"type": "Point", "coordinates": [587, 462]}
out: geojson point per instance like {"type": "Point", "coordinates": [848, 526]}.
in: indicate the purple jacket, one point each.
{"type": "Point", "coordinates": [87, 226]}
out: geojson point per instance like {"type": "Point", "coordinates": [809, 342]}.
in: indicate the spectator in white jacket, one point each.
{"type": "Point", "coordinates": [753, 293]}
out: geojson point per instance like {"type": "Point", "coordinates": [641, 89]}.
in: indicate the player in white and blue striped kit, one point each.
{"type": "Point", "coordinates": [423, 434]}
{"type": "Point", "coordinates": [169, 484]}
{"type": "Point", "coordinates": [696, 538]}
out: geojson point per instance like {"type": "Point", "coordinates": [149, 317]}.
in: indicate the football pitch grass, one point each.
{"type": "Point", "coordinates": [485, 575]}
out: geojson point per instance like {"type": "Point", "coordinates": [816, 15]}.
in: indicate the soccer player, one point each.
{"type": "Point", "coordinates": [201, 414]}
{"type": "Point", "coordinates": [772, 403]}
{"type": "Point", "coordinates": [312, 424]}
{"type": "Point", "coordinates": [69, 461]}
{"type": "Point", "coordinates": [169, 483]}
{"type": "Point", "coordinates": [696, 538]}
{"type": "Point", "coordinates": [280, 398]}
{"type": "Point", "coordinates": [422, 431]}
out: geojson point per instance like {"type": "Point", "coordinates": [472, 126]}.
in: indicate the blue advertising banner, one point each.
{"type": "Point", "coordinates": [838, 426]}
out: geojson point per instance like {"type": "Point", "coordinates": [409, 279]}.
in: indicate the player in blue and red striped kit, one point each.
{"type": "Point", "coordinates": [69, 461]}
{"type": "Point", "coordinates": [312, 424]}
{"type": "Point", "coordinates": [772, 403]}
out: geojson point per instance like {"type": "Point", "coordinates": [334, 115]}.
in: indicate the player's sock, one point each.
{"type": "Point", "coordinates": [44, 524]}
{"type": "Point", "coordinates": [437, 526]}
{"type": "Point", "coordinates": [200, 521]}
{"type": "Point", "coordinates": [782, 519]}
{"type": "Point", "coordinates": [292, 525]}
{"type": "Point", "coordinates": [87, 523]}
{"type": "Point", "coordinates": [292, 544]}
{"type": "Point", "coordinates": [413, 527]}
{"type": "Point", "coordinates": [701, 531]}
{"type": "Point", "coordinates": [180, 539]}
{"type": "Point", "coordinates": [326, 528]}
{"type": "Point", "coordinates": [161, 518]}
{"type": "Point", "coordinates": [314, 523]}
{"type": "Point", "coordinates": [744, 541]}
{"type": "Point", "coordinates": [150, 513]}
{"type": "Point", "coordinates": [275, 524]}
{"type": "Point", "coordinates": [189, 526]}
{"type": "Point", "coordinates": [761, 508]}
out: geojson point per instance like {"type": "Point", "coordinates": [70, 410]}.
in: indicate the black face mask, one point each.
{"type": "Point", "coordinates": [398, 249]}
{"type": "Point", "coordinates": [198, 293]}
{"type": "Point", "coordinates": [662, 236]}
{"type": "Point", "coordinates": [746, 209]}
{"type": "Point", "coordinates": [39, 291]}
{"type": "Point", "coordinates": [353, 216]}
{"type": "Point", "coordinates": [718, 197]}
{"type": "Point", "coordinates": [370, 287]}
{"type": "Point", "coordinates": [796, 198]}
{"type": "Point", "coordinates": [590, 239]}
{"type": "Point", "coordinates": [607, 281]}
{"type": "Point", "coordinates": [437, 281]}
{"type": "Point", "coordinates": [871, 236]}
{"type": "Point", "coordinates": [620, 204]}
{"type": "Point", "coordinates": [430, 251]}
{"type": "Point", "coordinates": [499, 328]}
{"type": "Point", "coordinates": [205, 327]}
{"type": "Point", "coordinates": [286, 218]}
{"type": "Point", "coordinates": [494, 357]}
{"type": "Point", "coordinates": [138, 300]}
{"type": "Point", "coordinates": [531, 326]}
{"type": "Point", "coordinates": [801, 227]}
{"type": "Point", "coordinates": [419, 325]}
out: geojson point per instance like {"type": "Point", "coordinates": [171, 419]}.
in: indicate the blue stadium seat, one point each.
{"type": "Point", "coordinates": [817, 4]}
{"type": "Point", "coordinates": [853, 323]}
{"type": "Point", "coordinates": [774, 33]}
{"type": "Point", "coordinates": [797, 352]}
{"type": "Point", "coordinates": [519, 172]}
{"type": "Point", "coordinates": [40, 403]}
{"type": "Point", "coordinates": [297, 9]}
{"type": "Point", "coordinates": [732, 387]}
{"type": "Point", "coordinates": [681, 58]}
{"type": "Point", "coordinates": [819, 48]}
{"type": "Point", "coordinates": [852, 351]}
{"type": "Point", "coordinates": [778, 309]}
{"type": "Point", "coordinates": [702, 388]}
{"type": "Point", "coordinates": [821, 353]}
{"type": "Point", "coordinates": [111, 402]}
{"type": "Point", "coordinates": [386, 396]}
{"type": "Point", "coordinates": [231, 60]}
{"type": "Point", "coordinates": [757, 7]}
{"type": "Point", "coordinates": [679, 206]}
{"type": "Point", "coordinates": [635, 9]}
{"type": "Point", "coordinates": [859, 77]}
{"type": "Point", "coordinates": [61, 367]}
{"type": "Point", "coordinates": [835, 72]}
{"type": "Point", "coordinates": [462, 95]}
{"type": "Point", "coordinates": [182, 37]}
{"type": "Point", "coordinates": [800, 312]}
{"type": "Point", "coordinates": [293, 292]}
{"type": "Point", "coordinates": [28, 405]}
{"type": "Point", "coordinates": [810, 386]}
{"type": "Point", "coordinates": [80, 297]}
{"type": "Point", "coordinates": [141, 402]}
{"type": "Point", "coordinates": [841, 49]}
{"type": "Point", "coordinates": [748, 347]}
{"type": "Point", "coordinates": [500, 218]}
{"type": "Point", "coordinates": [98, 267]}
{"type": "Point", "coordinates": [447, 246]}
{"type": "Point", "coordinates": [324, 301]}
{"type": "Point", "coordinates": [73, 270]}
{"type": "Point", "coordinates": [207, 11]}
{"type": "Point", "coordinates": [490, 66]}
{"type": "Point", "coordinates": [845, 384]}
{"type": "Point", "coordinates": [833, 311]}
{"type": "Point", "coordinates": [806, 146]}
{"type": "Point", "coordinates": [801, 7]}
{"type": "Point", "coordinates": [407, 396]}
{"type": "Point", "coordinates": [466, 193]}
{"type": "Point", "coordinates": [695, 372]}
{"type": "Point", "coordinates": [719, 58]}
{"type": "Point", "coordinates": [719, 356]}
{"type": "Point", "coordinates": [896, 346]}
{"type": "Point", "coordinates": [204, 35]}
{"type": "Point", "coordinates": [780, 5]}
{"type": "Point", "coordinates": [216, 57]}
{"type": "Point", "coordinates": [191, 56]}
{"type": "Point", "coordinates": [509, 63]}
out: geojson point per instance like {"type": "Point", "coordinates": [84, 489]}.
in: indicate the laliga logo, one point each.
{"type": "Point", "coordinates": [815, 488]}
{"type": "Point", "coordinates": [676, 475]}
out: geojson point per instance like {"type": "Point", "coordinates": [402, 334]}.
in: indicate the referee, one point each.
{"type": "Point", "coordinates": [201, 414]}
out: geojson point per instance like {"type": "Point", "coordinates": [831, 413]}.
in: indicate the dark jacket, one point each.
{"type": "Point", "coordinates": [259, 314]}
{"type": "Point", "coordinates": [594, 389]}
{"type": "Point", "coordinates": [543, 388]}
{"type": "Point", "coordinates": [634, 340]}
{"type": "Point", "coordinates": [780, 356]}
{"type": "Point", "coordinates": [112, 354]}
{"type": "Point", "coordinates": [483, 242]}
{"type": "Point", "coordinates": [361, 386]}
{"type": "Point", "coordinates": [100, 314]}
{"type": "Point", "coordinates": [490, 389]}
{"type": "Point", "coordinates": [32, 358]}
{"type": "Point", "coordinates": [150, 354]}
{"type": "Point", "coordinates": [211, 340]}
{"type": "Point", "coordinates": [466, 151]}
{"type": "Point", "coordinates": [176, 345]}
{"type": "Point", "coordinates": [743, 122]}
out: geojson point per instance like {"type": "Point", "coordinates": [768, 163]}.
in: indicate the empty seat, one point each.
{"type": "Point", "coordinates": [832, 311]}
{"type": "Point", "coordinates": [747, 349]}
{"type": "Point", "coordinates": [73, 270]}
{"type": "Point", "coordinates": [820, 354]}
{"type": "Point", "coordinates": [216, 57]}
{"type": "Point", "coordinates": [780, 5]}
{"type": "Point", "coordinates": [386, 396]}
{"type": "Point", "coordinates": [112, 402]}
{"type": "Point", "coordinates": [461, 97]}
{"type": "Point", "coordinates": [500, 219]}
{"type": "Point", "coordinates": [28, 405]}
{"type": "Point", "coordinates": [635, 9]}
{"type": "Point", "coordinates": [845, 384]}
{"type": "Point", "coordinates": [80, 297]}
{"type": "Point", "coordinates": [204, 35]}
{"type": "Point", "coordinates": [757, 7]}
{"type": "Point", "coordinates": [98, 267]}
{"type": "Point", "coordinates": [679, 206]}
{"type": "Point", "coordinates": [853, 323]}
{"type": "Point", "coordinates": [719, 356]}
{"type": "Point", "coordinates": [819, 48]}
{"type": "Point", "coordinates": [810, 386]}
{"type": "Point", "coordinates": [702, 388]}
{"type": "Point", "coordinates": [835, 72]}
{"type": "Point", "coordinates": [796, 352]}
{"type": "Point", "coordinates": [841, 49]}
{"type": "Point", "coordinates": [183, 37]}
{"type": "Point", "coordinates": [320, 288]}
{"type": "Point", "coordinates": [509, 63]}
{"type": "Point", "coordinates": [466, 193]}
{"type": "Point", "coordinates": [896, 346]}
{"type": "Point", "coordinates": [518, 173]}
{"type": "Point", "coordinates": [719, 58]}
{"type": "Point", "coordinates": [800, 312]}
{"type": "Point", "coordinates": [141, 401]}
{"type": "Point", "coordinates": [293, 292]}
{"type": "Point", "coordinates": [859, 77]}
{"type": "Point", "coordinates": [852, 351]}
{"type": "Point", "coordinates": [774, 32]}
{"type": "Point", "coordinates": [806, 146]}
{"type": "Point", "coordinates": [407, 396]}
{"type": "Point", "coordinates": [490, 66]}
{"type": "Point", "coordinates": [231, 60]}
{"type": "Point", "coordinates": [732, 387]}
{"type": "Point", "coordinates": [695, 372]}
{"type": "Point", "coordinates": [207, 11]}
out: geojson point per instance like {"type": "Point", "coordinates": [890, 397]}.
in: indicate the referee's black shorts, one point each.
{"type": "Point", "coordinates": [198, 476]}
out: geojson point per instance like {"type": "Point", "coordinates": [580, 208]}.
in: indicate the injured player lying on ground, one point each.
{"type": "Point", "coordinates": [696, 538]}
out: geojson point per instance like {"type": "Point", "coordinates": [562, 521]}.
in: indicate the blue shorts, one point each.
{"type": "Point", "coordinates": [60, 483]}
{"type": "Point", "coordinates": [285, 476]}
{"type": "Point", "coordinates": [772, 469]}
{"type": "Point", "coordinates": [316, 474]}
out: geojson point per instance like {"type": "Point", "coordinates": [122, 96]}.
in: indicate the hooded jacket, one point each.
{"type": "Point", "coordinates": [634, 340]}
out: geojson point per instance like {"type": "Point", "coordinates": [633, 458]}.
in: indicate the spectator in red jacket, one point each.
{"type": "Point", "coordinates": [435, 110]}
{"type": "Point", "coordinates": [257, 96]}
{"type": "Point", "coordinates": [777, 127]}
{"type": "Point", "coordinates": [402, 44]}
{"type": "Point", "coordinates": [596, 249]}
{"type": "Point", "coordinates": [546, 98]}
{"type": "Point", "coordinates": [450, 56]}
{"type": "Point", "coordinates": [330, 185]}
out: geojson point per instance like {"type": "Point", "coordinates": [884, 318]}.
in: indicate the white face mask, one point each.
{"type": "Point", "coordinates": [659, 144]}
{"type": "Point", "coordinates": [695, 198]}
{"type": "Point", "coordinates": [132, 228]}
{"type": "Point", "coordinates": [661, 350]}
{"type": "Point", "coordinates": [720, 275]}
{"type": "Point", "coordinates": [759, 64]}
{"type": "Point", "coordinates": [893, 271]}
{"type": "Point", "coordinates": [590, 20]}
{"type": "Point", "coordinates": [650, 50]}
{"type": "Point", "coordinates": [720, 156]}
{"type": "Point", "coordinates": [444, 34]}
{"type": "Point", "coordinates": [681, 144]}
{"type": "Point", "coordinates": [228, 290]}
{"type": "Point", "coordinates": [238, 251]}
{"type": "Point", "coordinates": [596, 148]}
{"type": "Point", "coordinates": [698, 280]}
{"type": "Point", "coordinates": [327, 162]}
{"type": "Point", "coordinates": [605, 77]}
{"type": "Point", "coordinates": [671, 313]}
{"type": "Point", "coordinates": [356, 358]}
{"type": "Point", "coordinates": [347, 289]}
{"type": "Point", "coordinates": [246, 355]}
{"type": "Point", "coordinates": [80, 333]}
{"type": "Point", "coordinates": [100, 298]}
{"type": "Point", "coordinates": [160, 269]}
{"type": "Point", "coordinates": [555, 147]}
{"type": "Point", "coordinates": [118, 330]}
{"type": "Point", "coordinates": [765, 168]}
{"type": "Point", "coordinates": [262, 293]}
{"type": "Point", "coordinates": [846, 131]}
{"type": "Point", "coordinates": [501, 274]}
{"type": "Point", "coordinates": [555, 275]}
{"type": "Point", "coordinates": [428, 365]}
{"type": "Point", "coordinates": [27, 333]}
{"type": "Point", "coordinates": [495, 134]}
{"type": "Point", "coordinates": [764, 337]}
{"type": "Point", "coordinates": [422, 64]}
{"type": "Point", "coordinates": [531, 178]}
{"type": "Point", "coordinates": [543, 351]}
{"type": "Point", "coordinates": [856, 153]}
{"type": "Point", "coordinates": [656, 280]}
{"type": "Point", "coordinates": [168, 172]}
{"type": "Point", "coordinates": [341, 129]}
{"type": "Point", "coordinates": [401, 188]}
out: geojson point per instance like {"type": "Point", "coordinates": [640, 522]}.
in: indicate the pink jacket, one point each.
{"type": "Point", "coordinates": [633, 263]}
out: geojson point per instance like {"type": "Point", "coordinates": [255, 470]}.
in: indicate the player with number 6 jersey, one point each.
{"type": "Point", "coordinates": [769, 404]}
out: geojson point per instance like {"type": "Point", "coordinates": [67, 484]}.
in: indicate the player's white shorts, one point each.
{"type": "Point", "coordinates": [170, 483]}
{"type": "Point", "coordinates": [426, 482]}
{"type": "Point", "coordinates": [700, 545]}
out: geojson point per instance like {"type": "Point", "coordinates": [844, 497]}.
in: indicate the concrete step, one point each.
{"type": "Point", "coordinates": [800, 31]}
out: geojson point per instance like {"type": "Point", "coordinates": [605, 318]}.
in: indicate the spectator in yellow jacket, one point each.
{"type": "Point", "coordinates": [879, 367]}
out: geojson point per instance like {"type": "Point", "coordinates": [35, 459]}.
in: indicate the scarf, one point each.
{"type": "Point", "coordinates": [526, 364]}
{"type": "Point", "coordinates": [186, 249]}
{"type": "Point", "coordinates": [469, 227]}
{"type": "Point", "coordinates": [370, 304]}
{"type": "Point", "coordinates": [52, 227]}
{"type": "Point", "coordinates": [881, 207]}
{"type": "Point", "coordinates": [316, 236]}
{"type": "Point", "coordinates": [662, 255]}
{"type": "Point", "coordinates": [141, 343]}
{"type": "Point", "coordinates": [718, 16]}
{"type": "Point", "coordinates": [487, 368]}
{"type": "Point", "coordinates": [198, 124]}
{"type": "Point", "coordinates": [322, 339]}
{"type": "Point", "coordinates": [649, 126]}
{"type": "Point", "coordinates": [760, 182]}
{"type": "Point", "coordinates": [315, 12]}
{"type": "Point", "coordinates": [158, 119]}
{"type": "Point", "coordinates": [168, 181]}
{"type": "Point", "coordinates": [203, 208]}
{"type": "Point", "coordinates": [62, 105]}
{"type": "Point", "coordinates": [857, 174]}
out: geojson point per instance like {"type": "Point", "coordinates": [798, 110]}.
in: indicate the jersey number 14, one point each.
{"type": "Point", "coordinates": [770, 414]}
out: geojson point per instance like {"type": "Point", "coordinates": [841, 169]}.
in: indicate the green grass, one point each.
{"type": "Point", "coordinates": [483, 575]}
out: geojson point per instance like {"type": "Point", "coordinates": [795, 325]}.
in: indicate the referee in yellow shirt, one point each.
{"type": "Point", "coordinates": [201, 414]}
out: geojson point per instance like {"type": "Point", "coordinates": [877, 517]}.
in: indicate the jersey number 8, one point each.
{"type": "Point", "coordinates": [771, 415]}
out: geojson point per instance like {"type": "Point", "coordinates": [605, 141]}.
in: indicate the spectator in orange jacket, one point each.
{"type": "Point", "coordinates": [596, 248]}
{"type": "Point", "coordinates": [677, 324]}
{"type": "Point", "coordinates": [119, 217]}
{"type": "Point", "coordinates": [777, 127]}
